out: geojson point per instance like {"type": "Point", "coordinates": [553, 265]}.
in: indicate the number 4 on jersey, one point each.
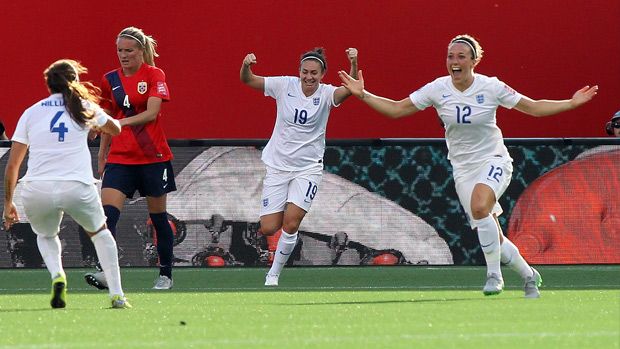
{"type": "Point", "coordinates": [60, 129]}
{"type": "Point", "coordinates": [126, 103]}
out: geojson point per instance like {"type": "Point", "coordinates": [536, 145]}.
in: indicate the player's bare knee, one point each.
{"type": "Point", "coordinates": [269, 230]}
{"type": "Point", "coordinates": [291, 226]}
{"type": "Point", "coordinates": [479, 211]}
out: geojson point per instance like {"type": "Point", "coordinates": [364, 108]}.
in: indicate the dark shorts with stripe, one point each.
{"type": "Point", "coordinates": [148, 179]}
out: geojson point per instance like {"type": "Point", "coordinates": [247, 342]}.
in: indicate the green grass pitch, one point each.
{"type": "Point", "coordinates": [356, 307]}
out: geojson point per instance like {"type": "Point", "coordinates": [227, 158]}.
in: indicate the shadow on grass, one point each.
{"type": "Point", "coordinates": [410, 301]}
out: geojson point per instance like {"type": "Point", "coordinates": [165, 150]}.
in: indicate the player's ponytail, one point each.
{"type": "Point", "coordinates": [62, 77]}
{"type": "Point", "coordinates": [146, 42]}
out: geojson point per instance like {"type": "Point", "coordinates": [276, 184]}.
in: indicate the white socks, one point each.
{"type": "Point", "coordinates": [512, 258]}
{"type": "Point", "coordinates": [286, 245]}
{"type": "Point", "coordinates": [488, 235]}
{"type": "Point", "coordinates": [508, 253]}
{"type": "Point", "coordinates": [49, 247]}
{"type": "Point", "coordinates": [108, 258]}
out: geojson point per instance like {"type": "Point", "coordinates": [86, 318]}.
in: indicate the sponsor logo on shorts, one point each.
{"type": "Point", "coordinates": [265, 202]}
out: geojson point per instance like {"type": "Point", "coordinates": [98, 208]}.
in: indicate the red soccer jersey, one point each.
{"type": "Point", "coordinates": [126, 96]}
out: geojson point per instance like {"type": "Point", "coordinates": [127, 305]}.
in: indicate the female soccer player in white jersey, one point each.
{"type": "Point", "coordinates": [466, 103]}
{"type": "Point", "coordinates": [60, 176]}
{"type": "Point", "coordinates": [294, 154]}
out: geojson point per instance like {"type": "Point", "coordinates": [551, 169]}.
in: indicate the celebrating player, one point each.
{"type": "Point", "coordinates": [60, 177]}
{"type": "Point", "coordinates": [482, 168]}
{"type": "Point", "coordinates": [294, 154]}
{"type": "Point", "coordinates": [139, 158]}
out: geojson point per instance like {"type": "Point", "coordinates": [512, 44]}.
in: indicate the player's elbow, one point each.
{"type": "Point", "coordinates": [399, 112]}
{"type": "Point", "coordinates": [112, 127]}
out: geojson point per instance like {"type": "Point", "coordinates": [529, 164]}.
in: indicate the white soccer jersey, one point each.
{"type": "Point", "coordinates": [298, 139]}
{"type": "Point", "coordinates": [472, 135]}
{"type": "Point", "coordinates": [58, 146]}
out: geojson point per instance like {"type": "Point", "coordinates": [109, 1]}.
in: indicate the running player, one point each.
{"type": "Point", "coordinates": [482, 168]}
{"type": "Point", "coordinates": [60, 178]}
{"type": "Point", "coordinates": [294, 154]}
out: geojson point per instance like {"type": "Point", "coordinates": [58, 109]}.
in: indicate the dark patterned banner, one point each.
{"type": "Point", "coordinates": [380, 202]}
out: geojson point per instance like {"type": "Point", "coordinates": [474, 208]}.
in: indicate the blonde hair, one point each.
{"type": "Point", "coordinates": [474, 45]}
{"type": "Point", "coordinates": [146, 42]}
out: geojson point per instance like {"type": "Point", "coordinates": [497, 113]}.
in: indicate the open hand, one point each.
{"type": "Point", "coordinates": [584, 95]}
{"type": "Point", "coordinates": [356, 87]}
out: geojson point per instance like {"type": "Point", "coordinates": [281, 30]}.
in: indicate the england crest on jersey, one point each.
{"type": "Point", "coordinates": [480, 99]}
{"type": "Point", "coordinates": [142, 87]}
{"type": "Point", "coordinates": [316, 100]}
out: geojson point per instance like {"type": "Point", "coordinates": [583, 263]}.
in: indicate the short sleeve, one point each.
{"type": "Point", "coordinates": [158, 86]}
{"type": "Point", "coordinates": [21, 130]}
{"type": "Point", "coordinates": [106, 95]}
{"type": "Point", "coordinates": [274, 85]}
{"type": "Point", "coordinates": [506, 95]}
{"type": "Point", "coordinates": [329, 93]}
{"type": "Point", "coordinates": [422, 97]}
{"type": "Point", "coordinates": [100, 116]}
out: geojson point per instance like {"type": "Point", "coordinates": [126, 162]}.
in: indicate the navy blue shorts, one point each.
{"type": "Point", "coordinates": [148, 179]}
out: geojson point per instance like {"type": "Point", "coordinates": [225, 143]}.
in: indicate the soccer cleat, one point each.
{"type": "Point", "coordinates": [120, 302]}
{"type": "Point", "coordinates": [163, 283]}
{"type": "Point", "coordinates": [97, 279]}
{"type": "Point", "coordinates": [531, 285]}
{"type": "Point", "coordinates": [59, 291]}
{"type": "Point", "coordinates": [494, 285]}
{"type": "Point", "coordinates": [271, 280]}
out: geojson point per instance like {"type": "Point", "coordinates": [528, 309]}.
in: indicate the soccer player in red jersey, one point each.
{"type": "Point", "coordinates": [139, 158]}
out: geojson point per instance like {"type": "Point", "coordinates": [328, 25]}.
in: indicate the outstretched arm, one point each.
{"type": "Point", "coordinates": [248, 77]}
{"type": "Point", "coordinates": [102, 122]}
{"type": "Point", "coordinates": [342, 93]}
{"type": "Point", "coordinates": [389, 107]}
{"type": "Point", "coordinates": [544, 107]}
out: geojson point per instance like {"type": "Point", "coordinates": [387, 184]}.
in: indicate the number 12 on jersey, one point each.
{"type": "Point", "coordinates": [463, 114]}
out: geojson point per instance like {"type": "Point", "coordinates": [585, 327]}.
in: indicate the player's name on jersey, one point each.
{"type": "Point", "coordinates": [53, 103]}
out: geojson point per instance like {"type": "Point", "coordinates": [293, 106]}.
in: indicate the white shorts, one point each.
{"type": "Point", "coordinates": [495, 173]}
{"type": "Point", "coordinates": [46, 201]}
{"type": "Point", "coordinates": [297, 187]}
